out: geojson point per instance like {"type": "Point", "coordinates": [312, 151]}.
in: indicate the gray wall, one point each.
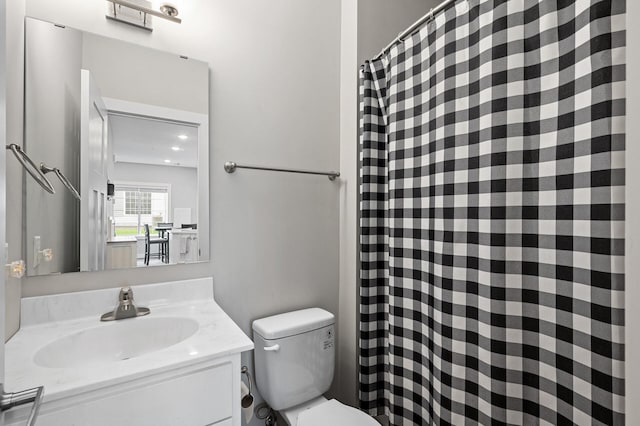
{"type": "Point", "coordinates": [380, 21]}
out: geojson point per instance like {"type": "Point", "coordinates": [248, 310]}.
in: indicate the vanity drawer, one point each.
{"type": "Point", "coordinates": [196, 398]}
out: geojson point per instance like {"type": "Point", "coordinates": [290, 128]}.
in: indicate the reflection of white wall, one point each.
{"type": "Point", "coordinates": [183, 181]}
{"type": "Point", "coordinates": [122, 72]}
{"type": "Point", "coordinates": [52, 93]}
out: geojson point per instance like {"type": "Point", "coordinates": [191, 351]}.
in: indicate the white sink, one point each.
{"type": "Point", "coordinates": [115, 341]}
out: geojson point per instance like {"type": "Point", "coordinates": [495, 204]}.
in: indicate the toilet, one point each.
{"type": "Point", "coordinates": [294, 365]}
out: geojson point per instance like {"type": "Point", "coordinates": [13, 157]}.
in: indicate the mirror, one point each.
{"type": "Point", "coordinates": [127, 128]}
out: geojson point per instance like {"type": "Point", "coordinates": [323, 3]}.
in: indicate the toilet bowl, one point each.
{"type": "Point", "coordinates": [294, 366]}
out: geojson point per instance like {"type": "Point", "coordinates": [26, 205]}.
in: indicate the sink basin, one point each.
{"type": "Point", "coordinates": [117, 341]}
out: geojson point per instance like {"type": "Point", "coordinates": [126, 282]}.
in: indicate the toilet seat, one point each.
{"type": "Point", "coordinates": [333, 412]}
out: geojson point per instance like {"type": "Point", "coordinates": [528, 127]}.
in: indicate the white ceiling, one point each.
{"type": "Point", "coordinates": [148, 141]}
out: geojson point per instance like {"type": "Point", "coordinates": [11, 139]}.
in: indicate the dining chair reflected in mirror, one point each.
{"type": "Point", "coordinates": [162, 243]}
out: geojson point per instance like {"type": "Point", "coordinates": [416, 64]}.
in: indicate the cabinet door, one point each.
{"type": "Point", "coordinates": [201, 397]}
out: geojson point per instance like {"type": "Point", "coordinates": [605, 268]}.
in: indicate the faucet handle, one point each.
{"type": "Point", "coordinates": [126, 294]}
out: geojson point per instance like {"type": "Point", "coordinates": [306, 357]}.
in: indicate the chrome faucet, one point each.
{"type": "Point", "coordinates": [125, 308]}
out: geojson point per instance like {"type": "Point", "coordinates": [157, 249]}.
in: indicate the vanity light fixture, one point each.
{"type": "Point", "coordinates": [168, 9]}
{"type": "Point", "coordinates": [139, 12]}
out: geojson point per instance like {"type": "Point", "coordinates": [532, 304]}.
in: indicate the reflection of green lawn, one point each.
{"type": "Point", "coordinates": [121, 230]}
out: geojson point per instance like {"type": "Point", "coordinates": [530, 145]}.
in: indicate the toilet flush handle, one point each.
{"type": "Point", "coordinates": [273, 348]}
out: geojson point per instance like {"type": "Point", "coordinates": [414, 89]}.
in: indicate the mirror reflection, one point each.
{"type": "Point", "coordinates": [154, 195]}
{"type": "Point", "coordinates": [135, 150]}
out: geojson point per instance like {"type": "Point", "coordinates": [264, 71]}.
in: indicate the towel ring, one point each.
{"type": "Point", "coordinates": [31, 167]}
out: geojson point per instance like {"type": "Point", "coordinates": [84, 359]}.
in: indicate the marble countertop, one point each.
{"type": "Point", "coordinates": [123, 239]}
{"type": "Point", "coordinates": [217, 336]}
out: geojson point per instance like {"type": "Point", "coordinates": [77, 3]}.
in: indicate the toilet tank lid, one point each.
{"type": "Point", "coordinates": [292, 323]}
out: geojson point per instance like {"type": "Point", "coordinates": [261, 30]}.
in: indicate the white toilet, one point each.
{"type": "Point", "coordinates": [295, 361]}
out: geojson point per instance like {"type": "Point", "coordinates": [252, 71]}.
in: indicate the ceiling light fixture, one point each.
{"type": "Point", "coordinates": [176, 148]}
{"type": "Point", "coordinates": [183, 137]}
{"type": "Point", "coordinates": [167, 161]}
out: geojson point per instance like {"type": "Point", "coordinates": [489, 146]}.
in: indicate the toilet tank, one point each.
{"type": "Point", "coordinates": [294, 356]}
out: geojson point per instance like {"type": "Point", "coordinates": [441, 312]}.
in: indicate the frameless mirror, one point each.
{"type": "Point", "coordinates": [123, 132]}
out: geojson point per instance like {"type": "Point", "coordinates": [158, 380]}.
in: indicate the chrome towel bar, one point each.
{"type": "Point", "coordinates": [231, 167]}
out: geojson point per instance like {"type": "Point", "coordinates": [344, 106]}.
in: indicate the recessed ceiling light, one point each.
{"type": "Point", "coordinates": [167, 161]}
{"type": "Point", "coordinates": [183, 137]}
{"type": "Point", "coordinates": [176, 148]}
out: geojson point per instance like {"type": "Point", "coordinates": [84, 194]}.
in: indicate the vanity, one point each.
{"type": "Point", "coordinates": [179, 365]}
{"type": "Point", "coordinates": [122, 252]}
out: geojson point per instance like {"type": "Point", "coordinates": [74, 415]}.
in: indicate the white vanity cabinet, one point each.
{"type": "Point", "coordinates": [199, 395]}
{"type": "Point", "coordinates": [122, 253]}
{"type": "Point", "coordinates": [129, 378]}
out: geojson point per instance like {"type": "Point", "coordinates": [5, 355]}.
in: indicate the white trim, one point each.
{"type": "Point", "coordinates": [145, 110]}
{"type": "Point", "coordinates": [135, 184]}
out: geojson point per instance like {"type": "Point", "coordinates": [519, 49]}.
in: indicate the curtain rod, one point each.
{"type": "Point", "coordinates": [416, 25]}
{"type": "Point", "coordinates": [231, 167]}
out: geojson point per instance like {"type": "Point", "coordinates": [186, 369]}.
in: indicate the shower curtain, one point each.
{"type": "Point", "coordinates": [492, 217]}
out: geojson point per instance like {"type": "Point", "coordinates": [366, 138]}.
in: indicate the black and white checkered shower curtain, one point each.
{"type": "Point", "coordinates": [492, 227]}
